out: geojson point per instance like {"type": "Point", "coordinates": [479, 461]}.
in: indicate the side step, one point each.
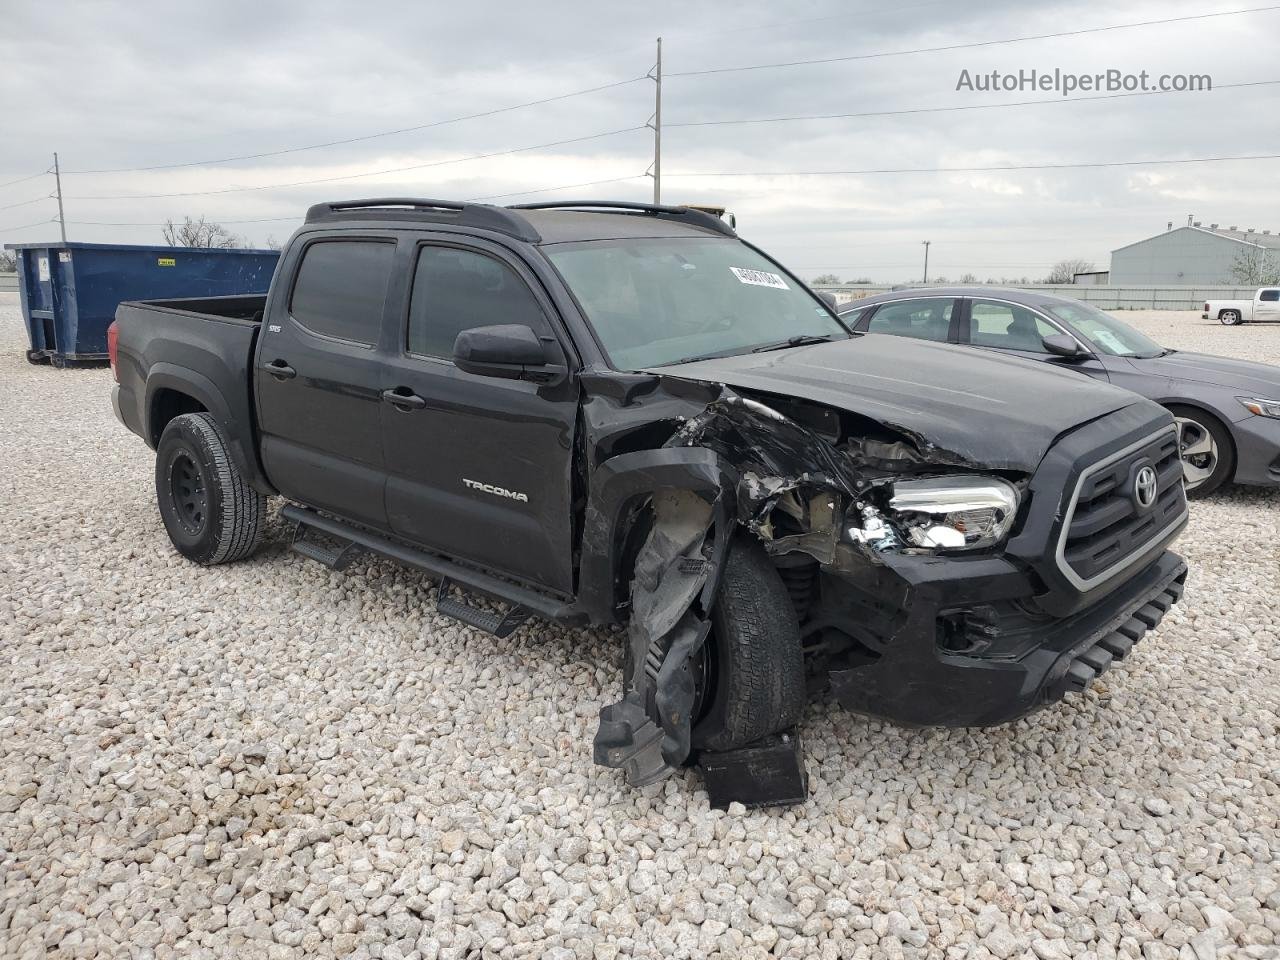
{"type": "Point", "coordinates": [499, 624]}
{"type": "Point", "coordinates": [335, 557]}
{"type": "Point", "coordinates": [527, 601]}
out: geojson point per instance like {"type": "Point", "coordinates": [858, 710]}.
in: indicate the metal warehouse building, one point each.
{"type": "Point", "coordinates": [1190, 255]}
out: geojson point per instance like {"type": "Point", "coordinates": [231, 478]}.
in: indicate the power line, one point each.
{"type": "Point", "coordinates": [360, 139]}
{"type": "Point", "coordinates": [23, 203]}
{"type": "Point", "coordinates": [783, 24]}
{"type": "Point", "coordinates": [370, 173]}
{"type": "Point", "coordinates": [25, 226]}
{"type": "Point", "coordinates": [136, 223]}
{"type": "Point", "coordinates": [973, 44]}
{"type": "Point", "coordinates": [563, 186]}
{"type": "Point", "coordinates": [10, 183]}
{"type": "Point", "coordinates": [973, 106]}
{"type": "Point", "coordinates": [990, 169]}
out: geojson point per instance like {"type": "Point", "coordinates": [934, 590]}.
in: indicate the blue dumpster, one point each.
{"type": "Point", "coordinates": [70, 291]}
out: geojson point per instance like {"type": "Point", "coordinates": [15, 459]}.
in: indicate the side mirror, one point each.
{"type": "Point", "coordinates": [829, 299]}
{"type": "Point", "coordinates": [511, 351]}
{"type": "Point", "coordinates": [1063, 345]}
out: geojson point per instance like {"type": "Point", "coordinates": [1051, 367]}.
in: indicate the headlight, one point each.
{"type": "Point", "coordinates": [956, 513]}
{"type": "Point", "coordinates": [1261, 407]}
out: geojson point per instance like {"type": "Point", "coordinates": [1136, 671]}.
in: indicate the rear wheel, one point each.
{"type": "Point", "coordinates": [211, 513]}
{"type": "Point", "coordinates": [1208, 456]}
{"type": "Point", "coordinates": [1229, 318]}
{"type": "Point", "coordinates": [750, 676]}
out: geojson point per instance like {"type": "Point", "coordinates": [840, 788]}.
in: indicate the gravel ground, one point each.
{"type": "Point", "coordinates": [273, 760]}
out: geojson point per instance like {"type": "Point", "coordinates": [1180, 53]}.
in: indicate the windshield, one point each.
{"type": "Point", "coordinates": [655, 301]}
{"type": "Point", "coordinates": [1107, 334]}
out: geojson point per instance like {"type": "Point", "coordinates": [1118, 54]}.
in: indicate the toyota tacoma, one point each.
{"type": "Point", "coordinates": [613, 413]}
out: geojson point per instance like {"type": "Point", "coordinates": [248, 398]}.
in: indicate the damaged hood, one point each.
{"type": "Point", "coordinates": [996, 412]}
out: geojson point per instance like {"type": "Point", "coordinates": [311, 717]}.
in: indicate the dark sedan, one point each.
{"type": "Point", "coordinates": [1228, 411]}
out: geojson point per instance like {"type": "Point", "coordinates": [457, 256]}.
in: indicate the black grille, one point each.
{"type": "Point", "coordinates": [1107, 525]}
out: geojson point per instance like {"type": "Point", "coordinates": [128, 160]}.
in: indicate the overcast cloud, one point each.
{"type": "Point", "coordinates": [113, 85]}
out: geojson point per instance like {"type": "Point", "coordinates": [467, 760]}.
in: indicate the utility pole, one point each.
{"type": "Point", "coordinates": [655, 168]}
{"type": "Point", "coordinates": [926, 261]}
{"type": "Point", "coordinates": [57, 179]}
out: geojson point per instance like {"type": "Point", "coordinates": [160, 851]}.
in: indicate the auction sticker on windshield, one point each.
{"type": "Point", "coordinates": [759, 278]}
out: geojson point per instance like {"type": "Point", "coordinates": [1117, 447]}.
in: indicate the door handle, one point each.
{"type": "Point", "coordinates": [281, 370]}
{"type": "Point", "coordinates": [403, 399]}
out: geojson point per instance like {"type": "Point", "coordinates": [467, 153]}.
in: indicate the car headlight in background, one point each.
{"type": "Point", "coordinates": [1261, 407]}
{"type": "Point", "coordinates": [954, 513]}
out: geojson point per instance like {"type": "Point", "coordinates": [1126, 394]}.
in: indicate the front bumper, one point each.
{"type": "Point", "coordinates": [1257, 442]}
{"type": "Point", "coordinates": [942, 662]}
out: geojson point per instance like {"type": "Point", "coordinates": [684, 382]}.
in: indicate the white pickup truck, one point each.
{"type": "Point", "coordinates": [1264, 306]}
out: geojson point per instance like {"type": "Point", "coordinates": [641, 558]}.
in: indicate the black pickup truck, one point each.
{"type": "Point", "coordinates": [608, 413]}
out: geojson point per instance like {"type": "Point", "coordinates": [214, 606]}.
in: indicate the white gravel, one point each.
{"type": "Point", "coordinates": [273, 760]}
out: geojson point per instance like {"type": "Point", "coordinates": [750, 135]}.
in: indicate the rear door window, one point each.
{"type": "Point", "coordinates": [924, 319]}
{"type": "Point", "coordinates": [341, 288]}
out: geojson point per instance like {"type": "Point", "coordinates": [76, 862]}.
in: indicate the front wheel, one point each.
{"type": "Point", "coordinates": [211, 513]}
{"type": "Point", "coordinates": [1229, 318]}
{"type": "Point", "coordinates": [751, 674]}
{"type": "Point", "coordinates": [1208, 457]}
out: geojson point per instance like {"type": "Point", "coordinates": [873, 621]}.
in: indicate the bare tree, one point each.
{"type": "Point", "coordinates": [1254, 267]}
{"type": "Point", "coordinates": [969, 278]}
{"type": "Point", "coordinates": [8, 261]}
{"type": "Point", "coordinates": [273, 243]}
{"type": "Point", "coordinates": [200, 233]}
{"type": "Point", "coordinates": [1064, 271]}
{"type": "Point", "coordinates": [826, 278]}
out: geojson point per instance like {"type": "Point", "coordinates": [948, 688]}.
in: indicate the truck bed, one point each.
{"type": "Point", "coordinates": [241, 307]}
{"type": "Point", "coordinates": [182, 356]}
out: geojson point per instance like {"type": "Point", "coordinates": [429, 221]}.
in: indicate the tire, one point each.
{"type": "Point", "coordinates": [1195, 424]}
{"type": "Point", "coordinates": [753, 676]}
{"type": "Point", "coordinates": [1229, 318]}
{"type": "Point", "coordinates": [211, 513]}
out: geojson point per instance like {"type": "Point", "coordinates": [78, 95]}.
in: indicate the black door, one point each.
{"type": "Point", "coordinates": [478, 467]}
{"type": "Point", "coordinates": [319, 379]}
{"type": "Point", "coordinates": [1016, 329]}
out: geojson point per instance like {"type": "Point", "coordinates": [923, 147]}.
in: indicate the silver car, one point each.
{"type": "Point", "coordinates": [1228, 411]}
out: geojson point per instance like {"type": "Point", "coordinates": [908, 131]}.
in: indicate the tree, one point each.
{"type": "Point", "coordinates": [1064, 271]}
{"type": "Point", "coordinates": [1254, 267]}
{"type": "Point", "coordinates": [200, 233]}
{"type": "Point", "coordinates": [826, 279]}
{"type": "Point", "coordinates": [273, 243]}
{"type": "Point", "coordinates": [8, 261]}
{"type": "Point", "coordinates": [969, 278]}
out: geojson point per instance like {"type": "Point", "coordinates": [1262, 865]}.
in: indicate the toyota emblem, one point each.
{"type": "Point", "coordinates": [1144, 488]}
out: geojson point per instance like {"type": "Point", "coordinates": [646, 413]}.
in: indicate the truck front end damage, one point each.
{"type": "Point", "coordinates": [929, 587]}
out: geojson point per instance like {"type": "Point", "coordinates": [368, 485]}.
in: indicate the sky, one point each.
{"type": "Point", "coordinates": [120, 86]}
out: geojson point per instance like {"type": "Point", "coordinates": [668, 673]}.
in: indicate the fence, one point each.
{"type": "Point", "coordinates": [1103, 297]}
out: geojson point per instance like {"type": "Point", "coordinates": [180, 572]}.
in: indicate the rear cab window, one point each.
{"type": "Point", "coordinates": [341, 287]}
{"type": "Point", "coordinates": [1268, 296]}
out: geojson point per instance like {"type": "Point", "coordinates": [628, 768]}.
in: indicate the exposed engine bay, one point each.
{"type": "Point", "coordinates": [827, 493]}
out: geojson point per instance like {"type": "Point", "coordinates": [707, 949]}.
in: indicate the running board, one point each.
{"type": "Point", "coordinates": [522, 598]}
{"type": "Point", "coordinates": [501, 625]}
{"type": "Point", "coordinates": [336, 557]}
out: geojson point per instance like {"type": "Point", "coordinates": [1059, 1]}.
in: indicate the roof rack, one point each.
{"type": "Point", "coordinates": [482, 215]}
{"type": "Point", "coordinates": [688, 215]}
